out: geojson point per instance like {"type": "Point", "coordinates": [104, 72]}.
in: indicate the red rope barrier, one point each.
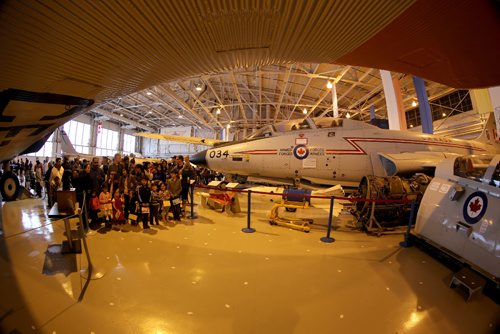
{"type": "Point", "coordinates": [311, 196]}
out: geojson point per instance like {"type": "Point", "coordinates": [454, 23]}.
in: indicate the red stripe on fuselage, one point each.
{"type": "Point", "coordinates": [258, 152]}
{"type": "Point", "coordinates": [358, 150]}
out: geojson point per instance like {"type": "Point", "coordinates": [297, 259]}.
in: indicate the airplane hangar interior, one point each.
{"type": "Point", "coordinates": [250, 166]}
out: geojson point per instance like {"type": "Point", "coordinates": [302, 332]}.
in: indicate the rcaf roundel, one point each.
{"type": "Point", "coordinates": [300, 152]}
{"type": "Point", "coordinates": [475, 207]}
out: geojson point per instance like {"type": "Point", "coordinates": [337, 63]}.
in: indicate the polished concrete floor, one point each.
{"type": "Point", "coordinates": [206, 276]}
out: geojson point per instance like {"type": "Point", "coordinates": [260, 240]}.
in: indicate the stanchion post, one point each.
{"type": "Point", "coordinates": [329, 239]}
{"type": "Point", "coordinates": [406, 242]}
{"type": "Point", "coordinates": [248, 229]}
{"type": "Point", "coordinates": [67, 246]}
{"type": "Point", "coordinates": [90, 273]}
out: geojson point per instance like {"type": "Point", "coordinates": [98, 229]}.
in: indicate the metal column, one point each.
{"type": "Point", "coordinates": [335, 104]}
{"type": "Point", "coordinates": [372, 112]}
{"type": "Point", "coordinates": [423, 105]}
{"type": "Point", "coordinates": [391, 100]}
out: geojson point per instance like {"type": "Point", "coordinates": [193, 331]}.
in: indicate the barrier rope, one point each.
{"type": "Point", "coordinates": [310, 196]}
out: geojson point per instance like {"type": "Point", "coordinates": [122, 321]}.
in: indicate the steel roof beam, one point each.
{"type": "Point", "coordinates": [116, 117]}
{"type": "Point", "coordinates": [200, 103]}
{"type": "Point", "coordinates": [238, 96]}
{"type": "Point", "coordinates": [185, 106]}
{"type": "Point", "coordinates": [303, 91]}
{"type": "Point", "coordinates": [322, 97]}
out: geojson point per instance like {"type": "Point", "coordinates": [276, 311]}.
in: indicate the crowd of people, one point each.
{"type": "Point", "coordinates": [120, 191]}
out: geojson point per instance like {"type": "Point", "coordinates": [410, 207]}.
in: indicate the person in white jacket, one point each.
{"type": "Point", "coordinates": [57, 171]}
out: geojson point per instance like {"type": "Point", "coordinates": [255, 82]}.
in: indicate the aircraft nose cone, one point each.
{"type": "Point", "coordinates": [199, 159]}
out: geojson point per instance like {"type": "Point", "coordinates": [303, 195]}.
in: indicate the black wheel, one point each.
{"type": "Point", "coordinates": [9, 186]}
{"type": "Point", "coordinates": [290, 209]}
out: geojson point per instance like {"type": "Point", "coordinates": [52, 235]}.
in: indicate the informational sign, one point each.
{"type": "Point", "coordinates": [444, 188]}
{"type": "Point", "coordinates": [214, 183]}
{"type": "Point", "coordinates": [300, 141]}
{"type": "Point", "coordinates": [434, 186]}
{"type": "Point", "coordinates": [309, 163]}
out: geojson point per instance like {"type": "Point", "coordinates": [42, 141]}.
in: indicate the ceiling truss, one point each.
{"type": "Point", "coordinates": [252, 97]}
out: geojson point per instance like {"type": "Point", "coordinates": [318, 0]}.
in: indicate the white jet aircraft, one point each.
{"type": "Point", "coordinates": [330, 151]}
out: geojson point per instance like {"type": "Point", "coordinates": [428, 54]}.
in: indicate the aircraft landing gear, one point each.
{"type": "Point", "coordinates": [9, 186]}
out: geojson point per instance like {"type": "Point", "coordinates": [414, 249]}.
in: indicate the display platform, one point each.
{"type": "Point", "coordinates": [206, 276]}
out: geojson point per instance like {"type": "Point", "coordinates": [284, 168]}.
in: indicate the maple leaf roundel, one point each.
{"type": "Point", "coordinates": [301, 152]}
{"type": "Point", "coordinates": [475, 207]}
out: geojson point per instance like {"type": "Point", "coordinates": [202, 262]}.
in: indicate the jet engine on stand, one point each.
{"type": "Point", "coordinates": [389, 202]}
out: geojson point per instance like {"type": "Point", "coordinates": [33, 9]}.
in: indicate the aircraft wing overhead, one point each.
{"type": "Point", "coordinates": [181, 139]}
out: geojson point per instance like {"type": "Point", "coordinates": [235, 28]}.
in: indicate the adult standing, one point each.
{"type": "Point", "coordinates": [66, 177]}
{"type": "Point", "coordinates": [127, 184]}
{"type": "Point", "coordinates": [38, 178]}
{"type": "Point", "coordinates": [115, 172]}
{"type": "Point", "coordinates": [83, 187]}
{"type": "Point", "coordinates": [187, 174]}
{"type": "Point", "coordinates": [144, 199]}
{"type": "Point", "coordinates": [174, 187]}
{"type": "Point", "coordinates": [56, 173]}
{"type": "Point", "coordinates": [96, 176]}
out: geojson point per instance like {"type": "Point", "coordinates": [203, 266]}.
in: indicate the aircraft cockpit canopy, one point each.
{"type": "Point", "coordinates": [328, 122]}
{"type": "Point", "coordinates": [308, 124]}
{"type": "Point", "coordinates": [480, 168]}
{"type": "Point", "coordinates": [264, 132]}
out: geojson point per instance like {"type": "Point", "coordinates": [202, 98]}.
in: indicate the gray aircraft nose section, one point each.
{"type": "Point", "coordinates": [199, 159]}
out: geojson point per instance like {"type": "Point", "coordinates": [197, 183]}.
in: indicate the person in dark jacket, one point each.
{"type": "Point", "coordinates": [187, 174]}
{"type": "Point", "coordinates": [83, 187]}
{"type": "Point", "coordinates": [144, 199]}
{"type": "Point", "coordinates": [66, 177]}
{"type": "Point", "coordinates": [97, 176]}
{"type": "Point", "coordinates": [174, 188]}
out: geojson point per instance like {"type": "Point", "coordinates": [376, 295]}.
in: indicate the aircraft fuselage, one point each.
{"type": "Point", "coordinates": [334, 155]}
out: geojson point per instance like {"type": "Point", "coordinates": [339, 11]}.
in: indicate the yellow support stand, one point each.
{"type": "Point", "coordinates": [300, 224]}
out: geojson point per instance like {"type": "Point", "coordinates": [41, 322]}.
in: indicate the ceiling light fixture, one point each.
{"type": "Point", "coordinates": [198, 88]}
{"type": "Point", "coordinates": [348, 115]}
{"type": "Point", "coordinates": [149, 93]}
{"type": "Point", "coordinates": [444, 114]}
{"type": "Point", "coordinates": [121, 115]}
{"type": "Point", "coordinates": [329, 85]}
{"type": "Point", "coordinates": [414, 103]}
{"type": "Point", "coordinates": [411, 125]}
{"type": "Point", "coordinates": [228, 126]}
{"type": "Point", "coordinates": [218, 111]}
{"type": "Point", "coordinates": [304, 111]}
{"type": "Point", "coordinates": [180, 116]}
{"type": "Point", "coordinates": [150, 112]}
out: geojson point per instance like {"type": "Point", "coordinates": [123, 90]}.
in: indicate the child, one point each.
{"type": "Point", "coordinates": [165, 206]}
{"type": "Point", "coordinates": [144, 199]}
{"type": "Point", "coordinates": [94, 208]}
{"type": "Point", "coordinates": [155, 205]}
{"type": "Point", "coordinates": [118, 216]}
{"type": "Point", "coordinates": [131, 207]}
{"type": "Point", "coordinates": [105, 201]}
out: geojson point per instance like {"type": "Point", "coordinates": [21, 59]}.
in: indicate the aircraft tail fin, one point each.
{"type": "Point", "coordinates": [66, 145]}
{"type": "Point", "coordinates": [490, 133]}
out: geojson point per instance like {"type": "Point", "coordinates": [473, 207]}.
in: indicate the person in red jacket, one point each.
{"type": "Point", "coordinates": [117, 201]}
